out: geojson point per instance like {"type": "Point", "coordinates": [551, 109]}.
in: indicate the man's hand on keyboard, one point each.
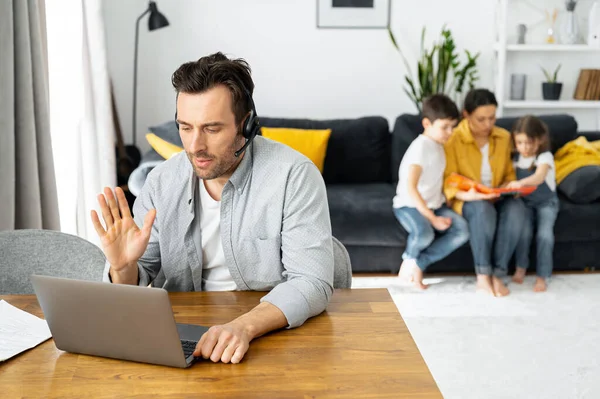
{"type": "Point", "coordinates": [226, 343]}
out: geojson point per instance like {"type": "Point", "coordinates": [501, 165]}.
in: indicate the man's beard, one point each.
{"type": "Point", "coordinates": [219, 165]}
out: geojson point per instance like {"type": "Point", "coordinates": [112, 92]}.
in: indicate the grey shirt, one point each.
{"type": "Point", "coordinates": [275, 229]}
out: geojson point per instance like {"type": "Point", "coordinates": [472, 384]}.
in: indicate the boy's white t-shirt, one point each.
{"type": "Point", "coordinates": [215, 273]}
{"type": "Point", "coordinates": [544, 158]}
{"type": "Point", "coordinates": [430, 156]}
{"type": "Point", "coordinates": [486, 168]}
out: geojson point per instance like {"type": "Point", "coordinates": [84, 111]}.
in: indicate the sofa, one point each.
{"type": "Point", "coordinates": [361, 174]}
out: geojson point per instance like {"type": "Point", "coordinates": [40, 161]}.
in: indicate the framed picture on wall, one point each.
{"type": "Point", "coordinates": [353, 14]}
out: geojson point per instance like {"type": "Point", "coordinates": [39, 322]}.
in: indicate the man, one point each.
{"type": "Point", "coordinates": [231, 212]}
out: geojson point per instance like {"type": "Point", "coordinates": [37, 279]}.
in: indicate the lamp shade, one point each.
{"type": "Point", "coordinates": [156, 20]}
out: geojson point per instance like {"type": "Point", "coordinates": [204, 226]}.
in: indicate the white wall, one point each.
{"type": "Point", "coordinates": [299, 70]}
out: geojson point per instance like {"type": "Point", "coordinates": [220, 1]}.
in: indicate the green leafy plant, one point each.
{"type": "Point", "coordinates": [439, 69]}
{"type": "Point", "coordinates": [551, 78]}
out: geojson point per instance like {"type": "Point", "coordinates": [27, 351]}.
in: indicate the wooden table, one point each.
{"type": "Point", "coordinates": [359, 348]}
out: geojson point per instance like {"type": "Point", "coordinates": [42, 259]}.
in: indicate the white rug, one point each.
{"type": "Point", "coordinates": [525, 345]}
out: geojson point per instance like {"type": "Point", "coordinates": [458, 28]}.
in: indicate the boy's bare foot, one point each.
{"type": "Point", "coordinates": [405, 273]}
{"type": "Point", "coordinates": [519, 275]}
{"type": "Point", "coordinates": [411, 273]}
{"type": "Point", "coordinates": [484, 284]}
{"type": "Point", "coordinates": [418, 278]}
{"type": "Point", "coordinates": [499, 288]}
{"type": "Point", "coordinates": [540, 285]}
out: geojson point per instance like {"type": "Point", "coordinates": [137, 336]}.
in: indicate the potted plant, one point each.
{"type": "Point", "coordinates": [551, 89]}
{"type": "Point", "coordinates": [439, 69]}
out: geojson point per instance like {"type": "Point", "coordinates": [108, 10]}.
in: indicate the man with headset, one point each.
{"type": "Point", "coordinates": [231, 212]}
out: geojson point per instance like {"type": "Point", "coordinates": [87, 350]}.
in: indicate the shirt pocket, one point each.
{"type": "Point", "coordinates": [261, 262]}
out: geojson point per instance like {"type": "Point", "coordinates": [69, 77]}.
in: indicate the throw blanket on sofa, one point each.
{"type": "Point", "coordinates": [574, 155]}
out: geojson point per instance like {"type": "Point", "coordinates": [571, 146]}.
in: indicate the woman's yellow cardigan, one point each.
{"type": "Point", "coordinates": [463, 156]}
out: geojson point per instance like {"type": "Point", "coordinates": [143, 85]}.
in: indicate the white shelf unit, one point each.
{"type": "Point", "coordinates": [580, 48]}
{"type": "Point", "coordinates": [573, 104]}
{"type": "Point", "coordinates": [504, 50]}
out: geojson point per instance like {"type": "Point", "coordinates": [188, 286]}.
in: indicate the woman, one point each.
{"type": "Point", "coordinates": [482, 152]}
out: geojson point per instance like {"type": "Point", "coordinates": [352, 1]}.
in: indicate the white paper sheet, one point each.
{"type": "Point", "coordinates": [19, 330]}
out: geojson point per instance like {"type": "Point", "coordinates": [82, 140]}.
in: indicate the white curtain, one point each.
{"type": "Point", "coordinates": [81, 121]}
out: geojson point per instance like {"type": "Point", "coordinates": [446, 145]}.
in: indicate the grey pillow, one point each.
{"type": "Point", "coordinates": [168, 132]}
{"type": "Point", "coordinates": [582, 186]}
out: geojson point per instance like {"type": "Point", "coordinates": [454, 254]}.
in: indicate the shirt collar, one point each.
{"type": "Point", "coordinates": [465, 132]}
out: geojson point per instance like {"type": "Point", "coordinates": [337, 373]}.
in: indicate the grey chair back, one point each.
{"type": "Point", "coordinates": [342, 268]}
{"type": "Point", "coordinates": [46, 252]}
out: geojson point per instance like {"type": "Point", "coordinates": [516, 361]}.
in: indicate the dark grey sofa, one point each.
{"type": "Point", "coordinates": [360, 172]}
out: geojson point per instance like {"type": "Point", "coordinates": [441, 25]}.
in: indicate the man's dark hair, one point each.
{"type": "Point", "coordinates": [213, 70]}
{"type": "Point", "coordinates": [439, 106]}
{"type": "Point", "coordinates": [478, 98]}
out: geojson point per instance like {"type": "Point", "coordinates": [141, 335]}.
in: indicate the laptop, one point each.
{"type": "Point", "coordinates": [115, 321]}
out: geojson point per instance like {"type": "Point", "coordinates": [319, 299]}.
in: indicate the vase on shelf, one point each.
{"type": "Point", "coordinates": [551, 31]}
{"type": "Point", "coordinates": [594, 25]}
{"type": "Point", "coordinates": [518, 82]}
{"type": "Point", "coordinates": [569, 30]}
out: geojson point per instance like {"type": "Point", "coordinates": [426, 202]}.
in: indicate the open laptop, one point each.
{"type": "Point", "coordinates": [116, 321]}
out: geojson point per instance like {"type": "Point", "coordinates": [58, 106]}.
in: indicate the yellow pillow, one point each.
{"type": "Point", "coordinates": [311, 143]}
{"type": "Point", "coordinates": [163, 147]}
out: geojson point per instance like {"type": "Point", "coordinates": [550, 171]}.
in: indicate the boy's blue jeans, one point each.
{"type": "Point", "coordinates": [540, 218]}
{"type": "Point", "coordinates": [494, 226]}
{"type": "Point", "coordinates": [422, 244]}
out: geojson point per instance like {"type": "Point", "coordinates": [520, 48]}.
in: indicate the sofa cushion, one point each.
{"type": "Point", "coordinates": [406, 128]}
{"type": "Point", "coordinates": [168, 131]}
{"type": "Point", "coordinates": [582, 185]}
{"type": "Point", "coordinates": [562, 127]}
{"type": "Point", "coordinates": [358, 149]}
{"type": "Point", "coordinates": [362, 214]}
{"type": "Point", "coordinates": [577, 222]}
{"type": "Point", "coordinates": [311, 143]}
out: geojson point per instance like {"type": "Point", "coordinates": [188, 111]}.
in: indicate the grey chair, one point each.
{"type": "Point", "coordinates": [46, 252]}
{"type": "Point", "coordinates": [342, 268]}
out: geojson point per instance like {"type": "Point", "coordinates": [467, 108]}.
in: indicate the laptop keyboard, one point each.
{"type": "Point", "coordinates": [188, 347]}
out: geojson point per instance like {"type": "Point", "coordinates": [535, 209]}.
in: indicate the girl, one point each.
{"type": "Point", "coordinates": [534, 164]}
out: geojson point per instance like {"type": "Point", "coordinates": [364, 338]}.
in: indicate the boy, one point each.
{"type": "Point", "coordinates": [419, 204]}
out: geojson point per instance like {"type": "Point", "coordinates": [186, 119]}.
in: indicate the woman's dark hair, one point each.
{"type": "Point", "coordinates": [216, 69]}
{"type": "Point", "coordinates": [476, 98]}
{"type": "Point", "coordinates": [534, 128]}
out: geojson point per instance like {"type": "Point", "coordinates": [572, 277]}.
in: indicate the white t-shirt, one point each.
{"type": "Point", "coordinates": [544, 158]}
{"type": "Point", "coordinates": [428, 154]}
{"type": "Point", "coordinates": [486, 169]}
{"type": "Point", "coordinates": [215, 273]}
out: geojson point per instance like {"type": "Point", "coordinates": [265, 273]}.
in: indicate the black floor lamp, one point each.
{"type": "Point", "coordinates": [156, 21]}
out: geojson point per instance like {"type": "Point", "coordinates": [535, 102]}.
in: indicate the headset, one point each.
{"type": "Point", "coordinates": [251, 124]}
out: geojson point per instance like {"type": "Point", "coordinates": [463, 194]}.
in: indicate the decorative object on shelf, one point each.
{"type": "Point", "coordinates": [521, 32]}
{"type": "Point", "coordinates": [518, 83]}
{"type": "Point", "coordinates": [551, 19]}
{"type": "Point", "coordinates": [569, 30]}
{"type": "Point", "coordinates": [155, 21]}
{"type": "Point", "coordinates": [588, 85]}
{"type": "Point", "coordinates": [353, 14]}
{"type": "Point", "coordinates": [594, 25]}
{"type": "Point", "coordinates": [551, 88]}
{"type": "Point", "coordinates": [439, 69]}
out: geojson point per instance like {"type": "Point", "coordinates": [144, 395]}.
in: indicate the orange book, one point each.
{"type": "Point", "coordinates": [465, 184]}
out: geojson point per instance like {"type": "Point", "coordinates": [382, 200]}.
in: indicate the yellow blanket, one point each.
{"type": "Point", "coordinates": [574, 155]}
